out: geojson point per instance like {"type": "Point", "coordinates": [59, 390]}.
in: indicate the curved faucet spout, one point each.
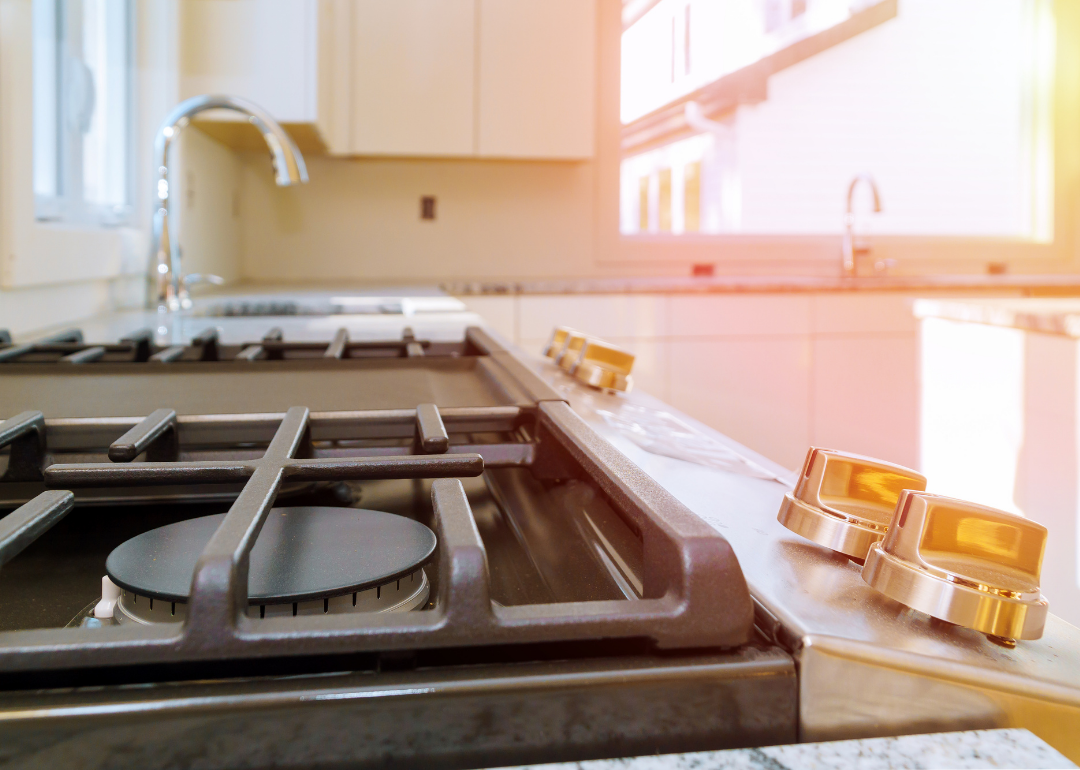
{"type": "Point", "coordinates": [867, 179]}
{"type": "Point", "coordinates": [849, 247]}
{"type": "Point", "coordinates": [289, 169]}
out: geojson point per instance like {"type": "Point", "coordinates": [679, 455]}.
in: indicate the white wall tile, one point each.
{"type": "Point", "coordinates": [610, 316]}
{"type": "Point", "coordinates": [872, 313]}
{"type": "Point", "coordinates": [755, 391]}
{"type": "Point", "coordinates": [865, 397]}
{"type": "Point", "coordinates": [722, 315]}
{"type": "Point", "coordinates": [500, 313]}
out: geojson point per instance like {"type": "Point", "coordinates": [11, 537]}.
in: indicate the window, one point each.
{"type": "Point", "coordinates": [82, 87]}
{"type": "Point", "coordinates": [777, 105]}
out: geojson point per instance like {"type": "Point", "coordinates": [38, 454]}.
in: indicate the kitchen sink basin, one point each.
{"type": "Point", "coordinates": [324, 305]}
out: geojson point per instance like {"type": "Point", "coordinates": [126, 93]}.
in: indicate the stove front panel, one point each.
{"type": "Point", "coordinates": [452, 717]}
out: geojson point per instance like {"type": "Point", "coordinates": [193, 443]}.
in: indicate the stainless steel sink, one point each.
{"type": "Point", "coordinates": [323, 304]}
{"type": "Point", "coordinates": [272, 307]}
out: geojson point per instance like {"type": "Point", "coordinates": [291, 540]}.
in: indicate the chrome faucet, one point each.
{"type": "Point", "coordinates": [850, 249]}
{"type": "Point", "coordinates": [170, 286]}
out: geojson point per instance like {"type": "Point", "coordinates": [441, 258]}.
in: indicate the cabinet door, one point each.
{"type": "Point", "coordinates": [537, 78]}
{"type": "Point", "coordinates": [260, 50]}
{"type": "Point", "coordinates": [413, 77]}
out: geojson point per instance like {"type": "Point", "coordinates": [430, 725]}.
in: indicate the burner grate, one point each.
{"type": "Point", "coordinates": [35, 443]}
{"type": "Point", "coordinates": [68, 347]}
{"type": "Point", "coordinates": [688, 591]}
{"type": "Point", "coordinates": [693, 594]}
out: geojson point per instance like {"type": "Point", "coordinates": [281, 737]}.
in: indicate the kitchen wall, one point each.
{"type": "Point", "coordinates": [57, 272]}
{"type": "Point", "coordinates": [28, 309]}
{"type": "Point", "coordinates": [207, 206]}
{"type": "Point", "coordinates": [359, 217]}
{"type": "Point", "coordinates": [776, 372]}
{"type": "Point", "coordinates": [575, 204]}
{"type": "Point", "coordinates": [360, 220]}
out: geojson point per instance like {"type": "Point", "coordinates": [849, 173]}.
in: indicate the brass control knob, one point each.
{"type": "Point", "coordinates": [604, 366]}
{"type": "Point", "coordinates": [845, 501]}
{"type": "Point", "coordinates": [571, 349]}
{"type": "Point", "coordinates": [555, 345]}
{"type": "Point", "coordinates": [964, 563]}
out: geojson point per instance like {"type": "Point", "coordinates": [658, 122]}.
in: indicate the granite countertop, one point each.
{"type": "Point", "coordinates": [1013, 748]}
{"type": "Point", "coordinates": [1047, 315]}
{"type": "Point", "coordinates": [1048, 285]}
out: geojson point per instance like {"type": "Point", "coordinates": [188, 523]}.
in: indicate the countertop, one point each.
{"type": "Point", "coordinates": [972, 749]}
{"type": "Point", "coordinates": [911, 673]}
{"type": "Point", "coordinates": [437, 325]}
{"type": "Point", "coordinates": [1048, 315]}
{"type": "Point", "coordinates": [1028, 285]}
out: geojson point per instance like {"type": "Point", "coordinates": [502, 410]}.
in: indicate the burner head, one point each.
{"type": "Point", "coordinates": [307, 558]}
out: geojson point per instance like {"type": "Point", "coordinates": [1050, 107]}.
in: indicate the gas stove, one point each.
{"type": "Point", "coordinates": [310, 553]}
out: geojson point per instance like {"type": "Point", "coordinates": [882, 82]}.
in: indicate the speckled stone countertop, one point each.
{"type": "Point", "coordinates": [1046, 315]}
{"type": "Point", "coordinates": [1026, 285]}
{"type": "Point", "coordinates": [1012, 748]}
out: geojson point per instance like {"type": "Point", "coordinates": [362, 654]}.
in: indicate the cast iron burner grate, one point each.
{"type": "Point", "coordinates": [690, 592]}
{"type": "Point", "coordinates": [68, 347]}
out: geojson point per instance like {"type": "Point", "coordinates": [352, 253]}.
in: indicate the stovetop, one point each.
{"type": "Point", "coordinates": [552, 549]}
{"type": "Point", "coordinates": [575, 608]}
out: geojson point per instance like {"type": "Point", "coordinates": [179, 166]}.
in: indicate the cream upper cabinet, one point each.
{"type": "Point", "coordinates": [420, 78]}
{"type": "Point", "coordinates": [413, 77]}
{"type": "Point", "coordinates": [260, 50]}
{"type": "Point", "coordinates": [458, 78]}
{"type": "Point", "coordinates": [537, 78]}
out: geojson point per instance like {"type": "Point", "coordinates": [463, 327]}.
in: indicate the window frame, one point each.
{"type": "Point", "coordinates": [1054, 250]}
{"type": "Point", "coordinates": [33, 252]}
{"type": "Point", "coordinates": [68, 205]}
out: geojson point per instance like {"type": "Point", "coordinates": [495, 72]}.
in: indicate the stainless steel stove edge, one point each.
{"type": "Point", "coordinates": [852, 690]}
{"type": "Point", "coordinates": [867, 665]}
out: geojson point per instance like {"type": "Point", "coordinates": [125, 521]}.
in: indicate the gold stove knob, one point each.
{"type": "Point", "coordinates": [845, 501]}
{"type": "Point", "coordinates": [558, 339]}
{"type": "Point", "coordinates": [964, 563]}
{"type": "Point", "coordinates": [604, 366]}
{"type": "Point", "coordinates": [571, 349]}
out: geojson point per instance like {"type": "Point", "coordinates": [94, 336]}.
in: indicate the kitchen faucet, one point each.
{"type": "Point", "coordinates": [171, 287]}
{"type": "Point", "coordinates": [849, 247]}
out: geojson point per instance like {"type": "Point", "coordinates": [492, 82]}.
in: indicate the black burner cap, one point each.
{"type": "Point", "coordinates": [301, 554]}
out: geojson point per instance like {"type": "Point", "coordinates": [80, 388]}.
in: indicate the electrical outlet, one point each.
{"type": "Point", "coordinates": [427, 207]}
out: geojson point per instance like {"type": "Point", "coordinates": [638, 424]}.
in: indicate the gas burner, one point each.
{"type": "Point", "coordinates": [564, 582]}
{"type": "Point", "coordinates": [306, 561]}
